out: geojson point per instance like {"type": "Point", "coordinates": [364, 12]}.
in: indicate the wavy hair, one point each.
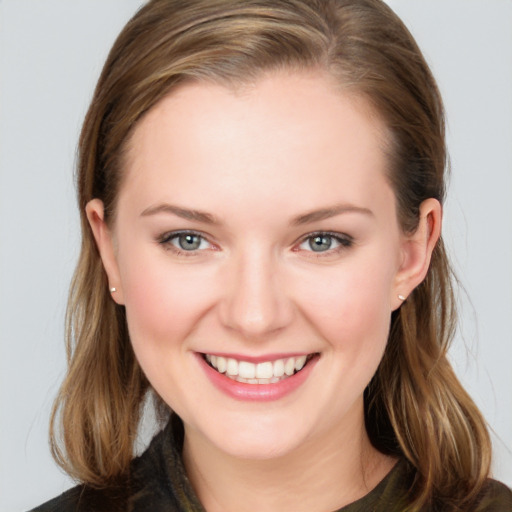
{"type": "Point", "coordinates": [414, 406]}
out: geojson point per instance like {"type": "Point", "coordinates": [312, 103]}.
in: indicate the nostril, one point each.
{"type": "Point", "coordinates": [254, 317]}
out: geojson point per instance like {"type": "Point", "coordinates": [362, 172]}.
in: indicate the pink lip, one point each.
{"type": "Point", "coordinates": [257, 392]}
{"type": "Point", "coordinates": [257, 359]}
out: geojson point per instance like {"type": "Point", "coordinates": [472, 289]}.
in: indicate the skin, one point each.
{"type": "Point", "coordinates": [257, 160]}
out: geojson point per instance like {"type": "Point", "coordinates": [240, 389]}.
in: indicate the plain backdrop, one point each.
{"type": "Point", "coordinates": [51, 53]}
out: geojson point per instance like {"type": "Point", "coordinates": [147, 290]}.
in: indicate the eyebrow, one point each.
{"type": "Point", "coordinates": [208, 218]}
{"type": "Point", "coordinates": [184, 213]}
{"type": "Point", "coordinates": [327, 213]}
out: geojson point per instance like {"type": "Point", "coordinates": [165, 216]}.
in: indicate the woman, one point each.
{"type": "Point", "coordinates": [260, 185]}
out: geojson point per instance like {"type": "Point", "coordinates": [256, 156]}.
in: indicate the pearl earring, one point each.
{"type": "Point", "coordinates": [401, 297]}
{"type": "Point", "coordinates": [113, 289]}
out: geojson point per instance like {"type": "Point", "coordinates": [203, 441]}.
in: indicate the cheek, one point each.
{"type": "Point", "coordinates": [350, 305]}
{"type": "Point", "coordinates": [163, 301]}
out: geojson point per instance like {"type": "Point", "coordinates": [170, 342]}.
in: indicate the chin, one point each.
{"type": "Point", "coordinates": [264, 441]}
{"type": "Point", "coordinates": [258, 449]}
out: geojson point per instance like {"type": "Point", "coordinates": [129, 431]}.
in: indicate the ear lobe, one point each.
{"type": "Point", "coordinates": [417, 250]}
{"type": "Point", "coordinates": [103, 237]}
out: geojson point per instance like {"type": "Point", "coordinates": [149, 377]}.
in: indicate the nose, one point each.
{"type": "Point", "coordinates": [255, 303]}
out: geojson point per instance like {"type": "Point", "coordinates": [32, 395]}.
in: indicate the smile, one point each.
{"type": "Point", "coordinates": [265, 372]}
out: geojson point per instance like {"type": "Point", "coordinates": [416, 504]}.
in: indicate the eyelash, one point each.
{"type": "Point", "coordinates": [345, 242]}
{"type": "Point", "coordinates": [166, 241]}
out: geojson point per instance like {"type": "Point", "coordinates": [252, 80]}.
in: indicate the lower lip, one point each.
{"type": "Point", "coordinates": [257, 392]}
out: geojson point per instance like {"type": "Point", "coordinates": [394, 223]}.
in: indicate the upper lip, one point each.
{"type": "Point", "coordinates": [258, 359]}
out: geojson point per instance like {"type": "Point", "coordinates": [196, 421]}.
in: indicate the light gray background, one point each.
{"type": "Point", "coordinates": [51, 52]}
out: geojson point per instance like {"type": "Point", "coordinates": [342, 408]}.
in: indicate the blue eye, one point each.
{"type": "Point", "coordinates": [324, 242]}
{"type": "Point", "coordinates": [320, 243]}
{"type": "Point", "coordinates": [186, 241]}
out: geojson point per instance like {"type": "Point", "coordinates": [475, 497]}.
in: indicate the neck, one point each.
{"type": "Point", "coordinates": [326, 473]}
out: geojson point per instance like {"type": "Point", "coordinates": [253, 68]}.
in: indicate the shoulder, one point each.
{"type": "Point", "coordinates": [495, 497]}
{"type": "Point", "coordinates": [143, 491]}
{"type": "Point", "coordinates": [83, 498]}
{"type": "Point", "coordinates": [143, 482]}
{"type": "Point", "coordinates": [394, 489]}
{"type": "Point", "coordinates": [156, 482]}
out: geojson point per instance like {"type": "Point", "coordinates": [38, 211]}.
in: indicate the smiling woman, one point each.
{"type": "Point", "coordinates": [259, 288]}
{"type": "Point", "coordinates": [261, 186]}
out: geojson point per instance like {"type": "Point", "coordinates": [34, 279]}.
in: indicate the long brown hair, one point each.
{"type": "Point", "coordinates": [415, 407]}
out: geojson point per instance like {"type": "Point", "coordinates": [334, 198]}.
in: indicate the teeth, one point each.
{"type": "Point", "coordinates": [232, 367]}
{"type": "Point", "coordinates": [221, 364]}
{"type": "Point", "coordinates": [246, 370]}
{"type": "Point", "coordinates": [267, 372]}
{"type": "Point", "coordinates": [300, 362]}
{"type": "Point", "coordinates": [289, 366]}
{"type": "Point", "coordinates": [278, 368]}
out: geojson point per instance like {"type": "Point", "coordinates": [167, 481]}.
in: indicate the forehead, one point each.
{"type": "Point", "coordinates": [284, 134]}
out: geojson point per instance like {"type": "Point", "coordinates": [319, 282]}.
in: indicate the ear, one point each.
{"type": "Point", "coordinates": [104, 241]}
{"type": "Point", "coordinates": [417, 251]}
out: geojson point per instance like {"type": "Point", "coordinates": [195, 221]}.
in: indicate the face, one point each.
{"type": "Point", "coordinates": [257, 252]}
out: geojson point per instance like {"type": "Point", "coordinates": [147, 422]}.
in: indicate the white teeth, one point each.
{"type": "Point", "coordinates": [264, 370]}
{"type": "Point", "coordinates": [273, 380]}
{"type": "Point", "coordinates": [289, 366]}
{"type": "Point", "coordinates": [221, 364]}
{"type": "Point", "coordinates": [246, 370]}
{"type": "Point", "coordinates": [267, 372]}
{"type": "Point", "coordinates": [278, 368]}
{"type": "Point", "coordinates": [232, 367]}
{"type": "Point", "coordinates": [300, 362]}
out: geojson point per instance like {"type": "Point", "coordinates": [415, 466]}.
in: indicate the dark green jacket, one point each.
{"type": "Point", "coordinates": [158, 483]}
